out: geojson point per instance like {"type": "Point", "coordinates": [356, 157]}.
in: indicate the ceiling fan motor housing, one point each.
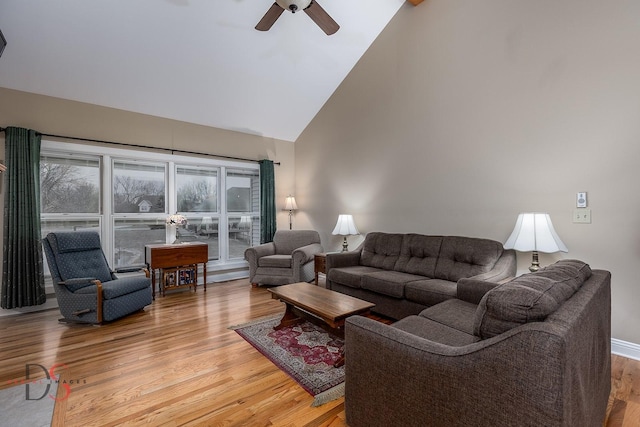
{"type": "Point", "coordinates": [294, 5]}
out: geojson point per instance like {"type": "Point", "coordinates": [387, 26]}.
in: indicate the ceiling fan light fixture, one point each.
{"type": "Point", "coordinates": [294, 5]}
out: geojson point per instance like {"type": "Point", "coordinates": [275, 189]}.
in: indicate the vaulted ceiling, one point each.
{"type": "Point", "coordinates": [198, 61]}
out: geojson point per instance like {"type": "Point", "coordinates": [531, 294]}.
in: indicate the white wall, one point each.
{"type": "Point", "coordinates": [464, 113]}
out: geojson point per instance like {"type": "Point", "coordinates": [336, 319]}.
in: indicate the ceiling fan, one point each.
{"type": "Point", "coordinates": [310, 7]}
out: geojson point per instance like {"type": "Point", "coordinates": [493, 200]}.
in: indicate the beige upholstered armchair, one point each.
{"type": "Point", "coordinates": [288, 259]}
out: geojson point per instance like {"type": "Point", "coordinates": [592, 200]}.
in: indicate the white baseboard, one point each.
{"type": "Point", "coordinates": [625, 349]}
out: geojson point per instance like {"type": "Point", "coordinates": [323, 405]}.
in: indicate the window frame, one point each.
{"type": "Point", "coordinates": [107, 217]}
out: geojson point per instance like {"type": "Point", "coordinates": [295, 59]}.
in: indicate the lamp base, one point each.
{"type": "Point", "coordinates": [345, 245]}
{"type": "Point", "coordinates": [535, 264]}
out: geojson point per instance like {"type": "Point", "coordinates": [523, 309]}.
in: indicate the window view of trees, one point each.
{"type": "Point", "coordinates": [138, 188]}
{"type": "Point", "coordinates": [197, 189]}
{"type": "Point", "coordinates": [69, 185]}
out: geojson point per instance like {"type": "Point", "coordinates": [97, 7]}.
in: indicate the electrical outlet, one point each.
{"type": "Point", "coordinates": [582, 216]}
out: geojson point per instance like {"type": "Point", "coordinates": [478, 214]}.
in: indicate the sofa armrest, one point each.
{"type": "Point", "coordinates": [394, 377]}
{"type": "Point", "coordinates": [305, 254]}
{"type": "Point", "coordinates": [342, 259]}
{"type": "Point", "coordinates": [78, 283]}
{"type": "Point", "coordinates": [253, 253]}
{"type": "Point", "coordinates": [504, 268]}
{"type": "Point", "coordinates": [259, 251]}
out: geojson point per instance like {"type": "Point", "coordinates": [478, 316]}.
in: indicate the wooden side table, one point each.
{"type": "Point", "coordinates": [174, 256]}
{"type": "Point", "coordinates": [320, 264]}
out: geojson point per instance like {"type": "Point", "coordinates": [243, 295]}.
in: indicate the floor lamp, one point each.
{"type": "Point", "coordinates": [290, 205]}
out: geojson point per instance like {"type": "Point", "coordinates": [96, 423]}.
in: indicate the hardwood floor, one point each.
{"type": "Point", "coordinates": [177, 363]}
{"type": "Point", "coordinates": [624, 400]}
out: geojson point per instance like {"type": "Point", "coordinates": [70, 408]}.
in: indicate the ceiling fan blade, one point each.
{"type": "Point", "coordinates": [270, 17]}
{"type": "Point", "coordinates": [322, 18]}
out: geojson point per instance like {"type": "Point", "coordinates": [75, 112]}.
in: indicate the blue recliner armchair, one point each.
{"type": "Point", "coordinates": [86, 289]}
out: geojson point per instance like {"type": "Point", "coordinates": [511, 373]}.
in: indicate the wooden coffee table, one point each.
{"type": "Point", "coordinates": [331, 307]}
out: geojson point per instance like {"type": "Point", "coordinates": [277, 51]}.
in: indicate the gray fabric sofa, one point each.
{"type": "Point", "coordinates": [405, 273]}
{"type": "Point", "coordinates": [534, 351]}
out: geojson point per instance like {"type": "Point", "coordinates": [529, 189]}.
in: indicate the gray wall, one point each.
{"type": "Point", "coordinates": [464, 113]}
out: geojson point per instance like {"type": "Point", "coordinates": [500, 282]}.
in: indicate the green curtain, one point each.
{"type": "Point", "coordinates": [267, 201]}
{"type": "Point", "coordinates": [22, 274]}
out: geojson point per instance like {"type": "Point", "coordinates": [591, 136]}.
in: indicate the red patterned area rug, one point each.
{"type": "Point", "coordinates": [306, 352]}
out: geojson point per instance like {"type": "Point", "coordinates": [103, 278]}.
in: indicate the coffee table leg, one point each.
{"type": "Point", "coordinates": [340, 360]}
{"type": "Point", "coordinates": [289, 318]}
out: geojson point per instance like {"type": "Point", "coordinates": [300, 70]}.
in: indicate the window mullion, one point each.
{"type": "Point", "coordinates": [107, 208]}
{"type": "Point", "coordinates": [224, 219]}
{"type": "Point", "coordinates": [172, 199]}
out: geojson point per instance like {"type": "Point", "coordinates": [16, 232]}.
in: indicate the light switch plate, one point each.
{"type": "Point", "coordinates": [582, 216]}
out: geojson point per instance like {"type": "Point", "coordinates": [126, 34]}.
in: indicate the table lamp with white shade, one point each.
{"type": "Point", "coordinates": [345, 227]}
{"type": "Point", "coordinates": [534, 233]}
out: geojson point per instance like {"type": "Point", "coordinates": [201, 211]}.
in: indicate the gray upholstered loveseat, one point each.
{"type": "Point", "coordinates": [534, 351]}
{"type": "Point", "coordinates": [405, 273]}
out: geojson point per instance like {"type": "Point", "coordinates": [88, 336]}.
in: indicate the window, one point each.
{"type": "Point", "coordinates": [138, 187]}
{"type": "Point", "coordinates": [197, 199]}
{"type": "Point", "coordinates": [243, 206]}
{"type": "Point", "coordinates": [140, 190]}
{"type": "Point", "coordinates": [129, 237]}
{"type": "Point", "coordinates": [69, 185]}
{"type": "Point", "coordinates": [197, 189]}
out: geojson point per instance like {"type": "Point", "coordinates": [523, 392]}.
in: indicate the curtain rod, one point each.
{"type": "Point", "coordinates": [124, 144]}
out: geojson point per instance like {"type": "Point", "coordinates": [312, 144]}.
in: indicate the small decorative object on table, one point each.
{"type": "Point", "coordinates": [173, 222]}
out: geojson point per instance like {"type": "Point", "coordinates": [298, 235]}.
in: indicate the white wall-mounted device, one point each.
{"type": "Point", "coordinates": [581, 199]}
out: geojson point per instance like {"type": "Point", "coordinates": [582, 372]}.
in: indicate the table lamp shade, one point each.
{"type": "Point", "coordinates": [345, 226]}
{"type": "Point", "coordinates": [535, 232]}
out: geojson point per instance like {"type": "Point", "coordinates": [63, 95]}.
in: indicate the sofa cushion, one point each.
{"type": "Point", "coordinates": [277, 261]}
{"type": "Point", "coordinates": [528, 298]}
{"type": "Point", "coordinates": [350, 276]}
{"type": "Point", "coordinates": [430, 291]}
{"type": "Point", "coordinates": [419, 254]}
{"type": "Point", "coordinates": [78, 254]}
{"type": "Point", "coordinates": [435, 331]}
{"type": "Point", "coordinates": [571, 272]}
{"type": "Point", "coordinates": [454, 313]}
{"type": "Point", "coordinates": [390, 283]}
{"type": "Point", "coordinates": [466, 257]}
{"type": "Point", "coordinates": [77, 241]}
{"type": "Point", "coordinates": [381, 250]}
